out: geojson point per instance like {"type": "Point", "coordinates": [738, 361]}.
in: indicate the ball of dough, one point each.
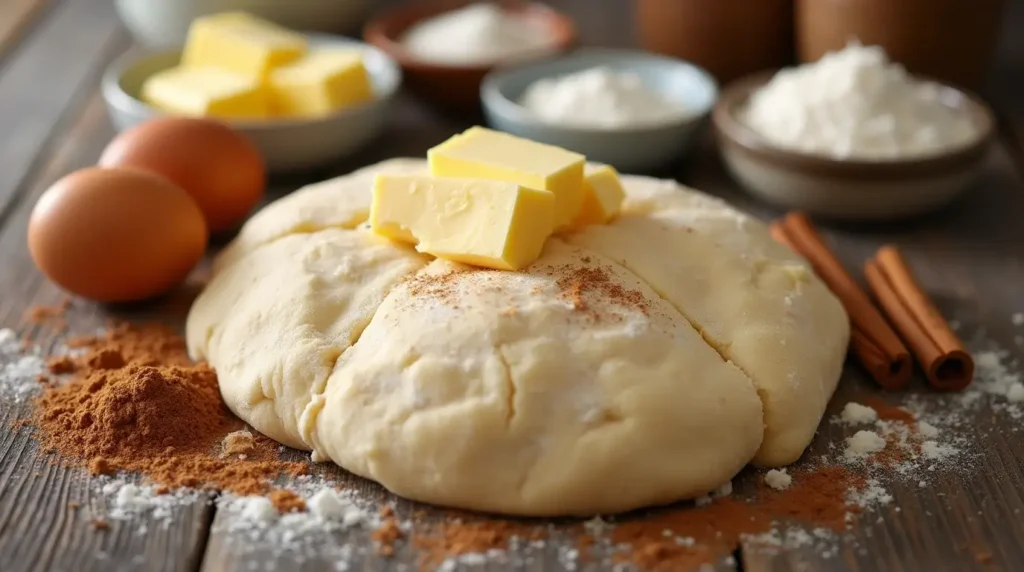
{"type": "Point", "coordinates": [636, 363]}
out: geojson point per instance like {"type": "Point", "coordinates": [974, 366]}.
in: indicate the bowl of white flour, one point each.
{"type": "Point", "coordinates": [852, 136]}
{"type": "Point", "coordinates": [632, 110]}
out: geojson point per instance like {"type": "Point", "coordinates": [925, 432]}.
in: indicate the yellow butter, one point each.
{"type": "Point", "coordinates": [320, 83]}
{"type": "Point", "coordinates": [241, 43]}
{"type": "Point", "coordinates": [205, 92]}
{"type": "Point", "coordinates": [486, 154]}
{"type": "Point", "coordinates": [482, 222]}
{"type": "Point", "coordinates": [602, 196]}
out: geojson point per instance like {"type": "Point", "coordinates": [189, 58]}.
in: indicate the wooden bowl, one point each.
{"type": "Point", "coordinates": [849, 189]}
{"type": "Point", "coordinates": [450, 87]}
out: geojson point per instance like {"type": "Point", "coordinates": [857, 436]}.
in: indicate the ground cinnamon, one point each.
{"type": "Point", "coordinates": [388, 533]}
{"type": "Point", "coordinates": [675, 539]}
{"type": "Point", "coordinates": [947, 365]}
{"type": "Point", "coordinates": [873, 341]}
{"type": "Point", "coordinates": [137, 403]}
{"type": "Point", "coordinates": [286, 501]}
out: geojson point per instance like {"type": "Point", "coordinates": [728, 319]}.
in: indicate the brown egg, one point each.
{"type": "Point", "coordinates": [116, 235]}
{"type": "Point", "coordinates": [221, 169]}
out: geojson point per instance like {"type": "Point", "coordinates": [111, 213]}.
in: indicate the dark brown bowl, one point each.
{"type": "Point", "coordinates": [452, 88]}
{"type": "Point", "coordinates": [848, 188]}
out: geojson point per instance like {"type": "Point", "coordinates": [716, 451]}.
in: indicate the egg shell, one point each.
{"type": "Point", "coordinates": [222, 169]}
{"type": "Point", "coordinates": [116, 235]}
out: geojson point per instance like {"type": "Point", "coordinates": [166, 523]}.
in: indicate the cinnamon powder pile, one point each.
{"type": "Point", "coordinates": [135, 402]}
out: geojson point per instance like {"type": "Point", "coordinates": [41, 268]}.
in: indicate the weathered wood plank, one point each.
{"type": "Point", "coordinates": [16, 17]}
{"type": "Point", "coordinates": [54, 68]}
{"type": "Point", "coordinates": [38, 529]}
{"type": "Point", "coordinates": [969, 257]}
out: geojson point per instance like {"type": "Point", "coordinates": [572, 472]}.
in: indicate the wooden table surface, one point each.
{"type": "Point", "coordinates": [969, 256]}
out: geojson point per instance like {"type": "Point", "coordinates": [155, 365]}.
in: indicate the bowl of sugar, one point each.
{"type": "Point", "coordinates": [636, 111]}
{"type": "Point", "coordinates": [446, 47]}
{"type": "Point", "coordinates": [852, 136]}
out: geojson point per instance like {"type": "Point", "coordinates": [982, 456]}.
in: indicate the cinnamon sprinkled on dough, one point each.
{"type": "Point", "coordinates": [575, 283]}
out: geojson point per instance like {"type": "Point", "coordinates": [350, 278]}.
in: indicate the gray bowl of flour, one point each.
{"type": "Point", "coordinates": [630, 109]}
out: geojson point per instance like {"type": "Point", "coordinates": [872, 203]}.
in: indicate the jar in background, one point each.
{"type": "Point", "coordinates": [949, 40]}
{"type": "Point", "coordinates": [729, 38]}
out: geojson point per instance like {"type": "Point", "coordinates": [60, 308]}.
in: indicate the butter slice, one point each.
{"type": "Point", "coordinates": [241, 43]}
{"type": "Point", "coordinates": [602, 196]}
{"type": "Point", "coordinates": [487, 223]}
{"type": "Point", "coordinates": [205, 92]}
{"type": "Point", "coordinates": [320, 83]}
{"type": "Point", "coordinates": [486, 154]}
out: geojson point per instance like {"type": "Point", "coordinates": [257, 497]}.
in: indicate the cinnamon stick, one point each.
{"type": "Point", "coordinates": [872, 340]}
{"type": "Point", "coordinates": [942, 356]}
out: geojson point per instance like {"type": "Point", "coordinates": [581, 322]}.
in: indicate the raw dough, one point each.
{"type": "Point", "coordinates": [636, 363]}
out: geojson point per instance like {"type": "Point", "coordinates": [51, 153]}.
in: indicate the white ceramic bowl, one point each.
{"type": "Point", "coordinates": [630, 149]}
{"type": "Point", "coordinates": [286, 144]}
{"type": "Point", "coordinates": [848, 189]}
{"type": "Point", "coordinates": [163, 24]}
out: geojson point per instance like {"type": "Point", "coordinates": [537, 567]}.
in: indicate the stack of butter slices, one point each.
{"type": "Point", "coordinates": [492, 199]}
{"type": "Point", "coordinates": [237, 66]}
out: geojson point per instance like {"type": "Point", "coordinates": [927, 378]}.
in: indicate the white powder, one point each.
{"type": "Point", "coordinates": [723, 491]}
{"type": "Point", "coordinates": [126, 500]}
{"type": "Point", "coordinates": [993, 376]}
{"type": "Point", "coordinates": [872, 494]}
{"type": "Point", "coordinates": [778, 479]}
{"type": "Point", "coordinates": [927, 430]}
{"type": "Point", "coordinates": [862, 444]}
{"type": "Point", "coordinates": [934, 451]}
{"type": "Point", "coordinates": [258, 510]}
{"type": "Point", "coordinates": [1018, 319]}
{"type": "Point", "coordinates": [19, 370]}
{"type": "Point", "coordinates": [599, 98]}
{"type": "Point", "coordinates": [255, 524]}
{"type": "Point", "coordinates": [703, 500]}
{"type": "Point", "coordinates": [857, 414]}
{"type": "Point", "coordinates": [478, 34]}
{"type": "Point", "coordinates": [1015, 393]}
{"type": "Point", "coordinates": [856, 104]}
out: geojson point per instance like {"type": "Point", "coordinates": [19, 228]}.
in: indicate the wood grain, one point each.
{"type": "Point", "coordinates": [44, 84]}
{"type": "Point", "coordinates": [968, 257]}
{"type": "Point", "coordinates": [38, 530]}
{"type": "Point", "coordinates": [16, 18]}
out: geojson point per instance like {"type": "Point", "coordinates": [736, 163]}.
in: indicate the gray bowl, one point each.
{"type": "Point", "coordinates": [632, 149]}
{"type": "Point", "coordinates": [286, 144]}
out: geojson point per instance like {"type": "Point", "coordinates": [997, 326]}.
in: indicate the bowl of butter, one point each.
{"type": "Point", "coordinates": [304, 99]}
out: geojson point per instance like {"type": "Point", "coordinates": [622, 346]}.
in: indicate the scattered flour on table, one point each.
{"type": "Point", "coordinates": [825, 542]}
{"type": "Point", "coordinates": [998, 378]}
{"type": "Point", "coordinates": [862, 444]}
{"type": "Point", "coordinates": [857, 414]}
{"type": "Point", "coordinates": [19, 368]}
{"type": "Point", "coordinates": [125, 500]}
{"type": "Point", "coordinates": [778, 479]}
{"type": "Point", "coordinates": [319, 533]}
